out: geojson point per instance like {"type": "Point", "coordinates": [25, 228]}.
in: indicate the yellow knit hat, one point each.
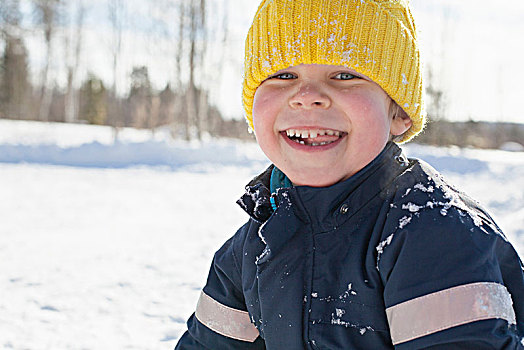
{"type": "Point", "coordinates": [374, 37]}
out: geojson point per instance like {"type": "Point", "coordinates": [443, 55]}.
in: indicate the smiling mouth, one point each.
{"type": "Point", "coordinates": [314, 137]}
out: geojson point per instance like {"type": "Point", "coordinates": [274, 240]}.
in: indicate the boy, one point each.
{"type": "Point", "coordinates": [349, 244]}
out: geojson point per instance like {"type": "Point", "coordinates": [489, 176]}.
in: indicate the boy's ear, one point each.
{"type": "Point", "coordinates": [400, 123]}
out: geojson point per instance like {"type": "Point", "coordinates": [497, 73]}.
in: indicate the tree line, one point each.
{"type": "Point", "coordinates": [183, 104]}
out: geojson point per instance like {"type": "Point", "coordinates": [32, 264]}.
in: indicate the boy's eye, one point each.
{"type": "Point", "coordinates": [283, 76]}
{"type": "Point", "coordinates": [345, 76]}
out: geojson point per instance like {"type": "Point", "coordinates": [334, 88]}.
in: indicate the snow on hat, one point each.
{"type": "Point", "coordinates": [374, 37]}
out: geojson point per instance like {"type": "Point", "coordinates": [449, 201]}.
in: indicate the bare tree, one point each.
{"type": "Point", "coordinates": [190, 94]}
{"type": "Point", "coordinates": [177, 108]}
{"type": "Point", "coordinates": [224, 41]}
{"type": "Point", "coordinates": [116, 12]}
{"type": "Point", "coordinates": [203, 100]}
{"type": "Point", "coordinates": [73, 45]}
{"type": "Point", "coordinates": [180, 43]}
{"type": "Point", "coordinates": [196, 104]}
{"type": "Point", "coordinates": [46, 13]}
{"type": "Point", "coordinates": [116, 18]}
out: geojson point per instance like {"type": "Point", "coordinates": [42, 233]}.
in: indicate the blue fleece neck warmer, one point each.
{"type": "Point", "coordinates": [278, 180]}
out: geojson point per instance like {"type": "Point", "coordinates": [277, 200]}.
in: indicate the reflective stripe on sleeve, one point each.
{"type": "Point", "coordinates": [449, 308]}
{"type": "Point", "coordinates": [224, 320]}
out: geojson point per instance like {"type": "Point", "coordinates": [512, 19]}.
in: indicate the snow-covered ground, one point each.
{"type": "Point", "coordinates": [106, 245]}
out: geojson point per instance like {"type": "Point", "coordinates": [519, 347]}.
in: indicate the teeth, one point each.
{"type": "Point", "coordinates": [304, 134]}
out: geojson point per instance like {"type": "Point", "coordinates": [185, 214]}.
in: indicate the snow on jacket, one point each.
{"type": "Point", "coordinates": [393, 257]}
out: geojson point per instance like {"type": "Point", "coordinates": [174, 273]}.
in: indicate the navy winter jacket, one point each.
{"type": "Point", "coordinates": [393, 257]}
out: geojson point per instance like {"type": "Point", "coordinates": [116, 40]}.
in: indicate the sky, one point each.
{"type": "Point", "coordinates": [476, 48]}
{"type": "Point", "coordinates": [473, 47]}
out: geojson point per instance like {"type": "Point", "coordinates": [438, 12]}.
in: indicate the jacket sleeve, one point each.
{"type": "Point", "coordinates": [221, 320]}
{"type": "Point", "coordinates": [451, 281]}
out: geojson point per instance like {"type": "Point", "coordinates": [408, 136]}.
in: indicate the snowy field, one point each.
{"type": "Point", "coordinates": [106, 245]}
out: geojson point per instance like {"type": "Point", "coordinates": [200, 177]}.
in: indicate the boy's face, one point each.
{"type": "Point", "coordinates": [320, 124]}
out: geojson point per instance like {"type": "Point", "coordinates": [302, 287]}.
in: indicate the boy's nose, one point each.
{"type": "Point", "coordinates": [309, 96]}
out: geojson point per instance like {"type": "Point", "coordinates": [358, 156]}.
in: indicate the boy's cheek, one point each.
{"type": "Point", "coordinates": [264, 135]}
{"type": "Point", "coordinates": [261, 111]}
{"type": "Point", "coordinates": [264, 117]}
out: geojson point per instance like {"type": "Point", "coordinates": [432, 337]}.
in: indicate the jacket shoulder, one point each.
{"type": "Point", "coordinates": [438, 236]}
{"type": "Point", "coordinates": [439, 244]}
{"type": "Point", "coordinates": [423, 194]}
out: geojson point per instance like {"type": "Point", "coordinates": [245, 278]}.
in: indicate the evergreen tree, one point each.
{"type": "Point", "coordinates": [140, 98]}
{"type": "Point", "coordinates": [93, 101]}
{"type": "Point", "coordinates": [15, 89]}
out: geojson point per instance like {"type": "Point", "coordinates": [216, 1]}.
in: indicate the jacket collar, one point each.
{"type": "Point", "coordinates": [325, 207]}
{"type": "Point", "coordinates": [256, 200]}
